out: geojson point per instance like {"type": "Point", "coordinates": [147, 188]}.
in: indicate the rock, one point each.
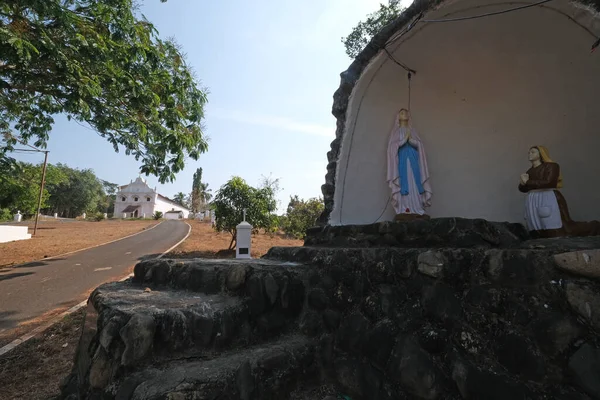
{"type": "Point", "coordinates": [584, 366]}
{"type": "Point", "coordinates": [555, 333]}
{"type": "Point", "coordinates": [273, 360]}
{"type": "Point", "coordinates": [518, 356]}
{"type": "Point", "coordinates": [439, 302]}
{"type": "Point", "coordinates": [475, 384]}
{"type": "Point", "coordinates": [317, 299]}
{"type": "Point", "coordinates": [271, 288]}
{"type": "Point", "coordinates": [101, 370]}
{"type": "Point", "coordinates": [432, 263]}
{"type": "Point", "coordinates": [138, 336]}
{"type": "Point", "coordinates": [109, 332]}
{"type": "Point", "coordinates": [245, 381]}
{"type": "Point", "coordinates": [348, 374]}
{"type": "Point", "coordinates": [332, 319]}
{"type": "Point", "coordinates": [352, 332]}
{"type": "Point", "coordinates": [412, 367]}
{"type": "Point", "coordinates": [584, 262]}
{"type": "Point", "coordinates": [380, 342]}
{"type": "Point", "coordinates": [584, 301]}
{"type": "Point", "coordinates": [237, 277]}
{"type": "Point", "coordinates": [256, 294]}
{"type": "Point", "coordinates": [310, 323]}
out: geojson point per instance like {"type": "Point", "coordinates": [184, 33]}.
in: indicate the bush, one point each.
{"type": "Point", "coordinates": [95, 217]}
{"type": "Point", "coordinates": [5, 214]}
{"type": "Point", "coordinates": [301, 215]}
{"type": "Point", "coordinates": [157, 215]}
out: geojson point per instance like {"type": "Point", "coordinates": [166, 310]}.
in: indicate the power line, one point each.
{"type": "Point", "coordinates": [489, 14]}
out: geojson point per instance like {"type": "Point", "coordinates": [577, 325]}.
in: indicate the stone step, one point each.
{"type": "Point", "coordinates": [128, 325]}
{"type": "Point", "coordinates": [510, 267]}
{"type": "Point", "coordinates": [268, 372]}
{"type": "Point", "coordinates": [436, 232]}
{"type": "Point", "coordinates": [241, 276]}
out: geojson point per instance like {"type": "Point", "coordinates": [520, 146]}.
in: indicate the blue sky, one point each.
{"type": "Point", "coordinates": [271, 68]}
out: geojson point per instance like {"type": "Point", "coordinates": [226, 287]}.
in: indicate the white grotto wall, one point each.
{"type": "Point", "coordinates": [485, 91]}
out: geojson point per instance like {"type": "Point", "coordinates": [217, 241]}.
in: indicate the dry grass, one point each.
{"type": "Point", "coordinates": [36, 369]}
{"type": "Point", "coordinates": [58, 237]}
{"type": "Point", "coordinates": [204, 242]}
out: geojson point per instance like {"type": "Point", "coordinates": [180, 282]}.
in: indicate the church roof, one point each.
{"type": "Point", "coordinates": [129, 209]}
{"type": "Point", "coordinates": [351, 76]}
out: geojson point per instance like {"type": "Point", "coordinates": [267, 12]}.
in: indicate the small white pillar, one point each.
{"type": "Point", "coordinates": [105, 216]}
{"type": "Point", "coordinates": [55, 215]}
{"type": "Point", "coordinates": [124, 215]}
{"type": "Point", "coordinates": [144, 216]}
{"type": "Point", "coordinates": [243, 241]}
{"type": "Point", "coordinates": [18, 216]}
{"type": "Point", "coordinates": [83, 215]}
{"type": "Point", "coordinates": [213, 219]}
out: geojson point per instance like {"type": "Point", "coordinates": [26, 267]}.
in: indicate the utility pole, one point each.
{"type": "Point", "coordinates": [37, 215]}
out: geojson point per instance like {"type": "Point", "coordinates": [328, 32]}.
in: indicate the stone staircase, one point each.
{"type": "Point", "coordinates": [440, 309]}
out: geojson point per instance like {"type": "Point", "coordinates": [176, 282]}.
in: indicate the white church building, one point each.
{"type": "Point", "coordinates": [138, 200]}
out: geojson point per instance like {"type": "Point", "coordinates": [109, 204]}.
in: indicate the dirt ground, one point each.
{"type": "Point", "coordinates": [204, 242]}
{"type": "Point", "coordinates": [35, 369]}
{"type": "Point", "coordinates": [59, 237]}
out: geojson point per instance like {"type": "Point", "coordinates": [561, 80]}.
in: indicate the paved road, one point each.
{"type": "Point", "coordinates": [33, 289]}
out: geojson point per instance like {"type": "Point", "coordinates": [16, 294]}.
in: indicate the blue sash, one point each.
{"type": "Point", "coordinates": [407, 153]}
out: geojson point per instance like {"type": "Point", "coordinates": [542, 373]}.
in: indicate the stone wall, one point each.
{"type": "Point", "coordinates": [462, 323]}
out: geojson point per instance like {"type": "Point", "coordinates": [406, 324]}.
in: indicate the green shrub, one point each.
{"type": "Point", "coordinates": [157, 215]}
{"type": "Point", "coordinates": [5, 214]}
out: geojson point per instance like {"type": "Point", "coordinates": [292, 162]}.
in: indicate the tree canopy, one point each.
{"type": "Point", "coordinates": [69, 192]}
{"type": "Point", "coordinates": [98, 62]}
{"type": "Point", "coordinates": [300, 215]}
{"type": "Point", "coordinates": [362, 33]}
{"type": "Point", "coordinates": [235, 196]}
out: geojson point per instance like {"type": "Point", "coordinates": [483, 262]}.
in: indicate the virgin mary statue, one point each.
{"type": "Point", "coordinates": [407, 172]}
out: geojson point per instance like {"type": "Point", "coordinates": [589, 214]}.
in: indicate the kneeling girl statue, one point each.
{"type": "Point", "coordinates": [546, 211]}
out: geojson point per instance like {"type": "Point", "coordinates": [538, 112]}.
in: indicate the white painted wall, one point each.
{"type": "Point", "coordinates": [165, 206]}
{"type": "Point", "coordinates": [485, 91]}
{"type": "Point", "coordinates": [9, 233]}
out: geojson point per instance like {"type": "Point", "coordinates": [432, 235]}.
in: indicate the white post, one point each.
{"type": "Point", "coordinates": [55, 215]}
{"type": "Point", "coordinates": [244, 239]}
{"type": "Point", "coordinates": [105, 216]}
{"type": "Point", "coordinates": [144, 216]}
{"type": "Point", "coordinates": [124, 215]}
{"type": "Point", "coordinates": [213, 219]}
{"type": "Point", "coordinates": [18, 216]}
{"type": "Point", "coordinates": [83, 215]}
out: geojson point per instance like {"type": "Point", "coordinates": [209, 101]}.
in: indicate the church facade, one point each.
{"type": "Point", "coordinates": [138, 200]}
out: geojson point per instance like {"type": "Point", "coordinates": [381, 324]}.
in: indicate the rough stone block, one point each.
{"type": "Point", "coordinates": [585, 301]}
{"type": "Point", "coordinates": [585, 262]}
{"type": "Point", "coordinates": [584, 366]}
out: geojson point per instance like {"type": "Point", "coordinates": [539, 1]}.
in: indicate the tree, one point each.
{"type": "Point", "coordinates": [362, 33]}
{"type": "Point", "coordinates": [81, 192]}
{"type": "Point", "coordinates": [201, 194]}
{"type": "Point", "coordinates": [96, 62]}
{"type": "Point", "coordinates": [301, 215]}
{"type": "Point", "coordinates": [235, 196]}
{"type": "Point", "coordinates": [20, 186]}
{"type": "Point", "coordinates": [181, 199]}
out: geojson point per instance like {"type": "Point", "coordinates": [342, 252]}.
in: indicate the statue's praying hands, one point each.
{"type": "Point", "coordinates": [524, 178]}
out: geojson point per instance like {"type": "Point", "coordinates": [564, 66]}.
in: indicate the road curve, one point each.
{"type": "Point", "coordinates": [30, 290]}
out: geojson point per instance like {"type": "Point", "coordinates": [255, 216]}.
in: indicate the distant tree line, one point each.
{"type": "Point", "coordinates": [69, 192]}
